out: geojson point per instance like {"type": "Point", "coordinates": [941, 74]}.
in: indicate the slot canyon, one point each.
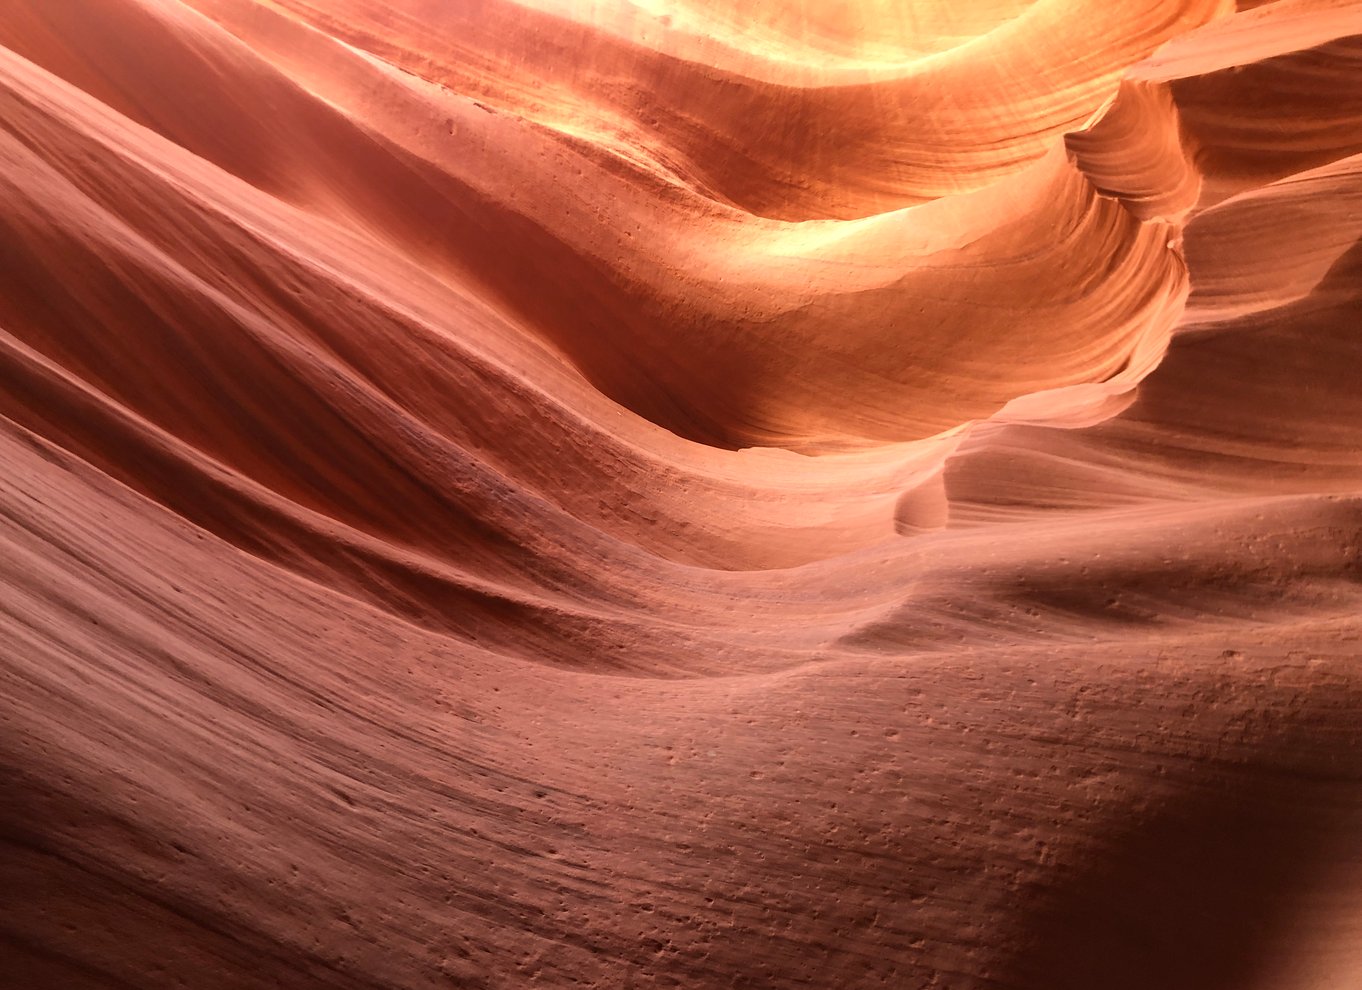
{"type": "Point", "coordinates": [703, 494]}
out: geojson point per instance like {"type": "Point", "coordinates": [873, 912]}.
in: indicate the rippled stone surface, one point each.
{"type": "Point", "coordinates": [591, 493]}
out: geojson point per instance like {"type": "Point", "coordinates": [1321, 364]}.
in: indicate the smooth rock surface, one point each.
{"type": "Point", "coordinates": [634, 494]}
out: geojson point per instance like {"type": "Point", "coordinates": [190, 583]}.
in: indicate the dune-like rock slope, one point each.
{"type": "Point", "coordinates": [620, 494]}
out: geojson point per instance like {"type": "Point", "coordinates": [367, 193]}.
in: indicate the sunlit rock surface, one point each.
{"type": "Point", "coordinates": [614, 493]}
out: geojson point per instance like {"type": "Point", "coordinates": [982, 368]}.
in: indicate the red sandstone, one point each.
{"type": "Point", "coordinates": [608, 494]}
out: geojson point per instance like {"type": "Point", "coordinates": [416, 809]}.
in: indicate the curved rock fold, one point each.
{"type": "Point", "coordinates": [605, 494]}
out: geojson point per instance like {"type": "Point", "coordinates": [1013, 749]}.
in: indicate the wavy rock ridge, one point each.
{"type": "Point", "coordinates": [624, 494]}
